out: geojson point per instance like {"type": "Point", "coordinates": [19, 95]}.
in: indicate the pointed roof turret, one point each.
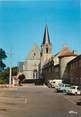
{"type": "Point", "coordinates": [46, 39]}
{"type": "Point", "coordinates": [66, 52]}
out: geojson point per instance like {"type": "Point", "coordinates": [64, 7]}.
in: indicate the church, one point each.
{"type": "Point", "coordinates": [41, 63]}
{"type": "Point", "coordinates": [37, 57]}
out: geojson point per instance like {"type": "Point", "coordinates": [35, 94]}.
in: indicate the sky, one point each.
{"type": "Point", "coordinates": [22, 25]}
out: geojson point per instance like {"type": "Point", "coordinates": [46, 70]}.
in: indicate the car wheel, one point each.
{"type": "Point", "coordinates": [64, 91]}
{"type": "Point", "coordinates": [75, 93]}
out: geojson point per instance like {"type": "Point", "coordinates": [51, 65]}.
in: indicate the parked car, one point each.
{"type": "Point", "coordinates": [49, 84]}
{"type": "Point", "coordinates": [76, 90]}
{"type": "Point", "coordinates": [58, 86]}
{"type": "Point", "coordinates": [56, 82]}
{"type": "Point", "coordinates": [63, 87]}
{"type": "Point", "coordinates": [79, 102]}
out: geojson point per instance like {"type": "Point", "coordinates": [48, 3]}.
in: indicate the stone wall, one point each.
{"type": "Point", "coordinates": [74, 71]}
{"type": "Point", "coordinates": [50, 72]}
{"type": "Point", "coordinates": [63, 64]}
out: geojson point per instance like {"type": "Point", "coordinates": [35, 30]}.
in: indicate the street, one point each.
{"type": "Point", "coordinates": [37, 101]}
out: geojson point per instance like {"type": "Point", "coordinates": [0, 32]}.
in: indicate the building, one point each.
{"type": "Point", "coordinates": [20, 66]}
{"type": "Point", "coordinates": [46, 48]}
{"type": "Point", "coordinates": [66, 55]}
{"type": "Point", "coordinates": [35, 60]}
{"type": "Point", "coordinates": [73, 71]}
{"type": "Point", "coordinates": [41, 64]}
{"type": "Point", "coordinates": [60, 67]}
{"type": "Point", "coordinates": [50, 71]}
{"type": "Point", "coordinates": [31, 65]}
{"type": "Point", "coordinates": [56, 58]}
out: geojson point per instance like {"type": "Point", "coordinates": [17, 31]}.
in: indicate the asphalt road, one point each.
{"type": "Point", "coordinates": [37, 101]}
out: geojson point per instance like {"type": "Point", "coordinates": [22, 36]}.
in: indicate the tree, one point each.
{"type": "Point", "coordinates": [4, 75]}
{"type": "Point", "coordinates": [2, 65]}
{"type": "Point", "coordinates": [21, 77]}
{"type": "Point", "coordinates": [2, 57]}
{"type": "Point", "coordinates": [2, 54]}
{"type": "Point", "coordinates": [14, 71]}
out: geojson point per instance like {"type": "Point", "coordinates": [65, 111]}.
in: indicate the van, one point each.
{"type": "Point", "coordinates": [54, 83]}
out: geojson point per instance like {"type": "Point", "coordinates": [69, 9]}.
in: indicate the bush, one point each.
{"type": "Point", "coordinates": [2, 81]}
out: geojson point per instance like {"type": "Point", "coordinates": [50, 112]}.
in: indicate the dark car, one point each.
{"type": "Point", "coordinates": [49, 85]}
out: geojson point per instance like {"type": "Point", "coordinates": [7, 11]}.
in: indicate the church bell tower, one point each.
{"type": "Point", "coordinates": [46, 48]}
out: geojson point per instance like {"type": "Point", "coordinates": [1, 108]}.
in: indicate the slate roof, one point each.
{"type": "Point", "coordinates": [46, 39]}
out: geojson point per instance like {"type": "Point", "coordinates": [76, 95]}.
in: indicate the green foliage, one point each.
{"type": "Point", "coordinates": [14, 71]}
{"type": "Point", "coordinates": [2, 54]}
{"type": "Point", "coordinates": [21, 78]}
{"type": "Point", "coordinates": [5, 73]}
{"type": "Point", "coordinates": [2, 57]}
{"type": "Point", "coordinates": [4, 76]}
{"type": "Point", "coordinates": [4, 81]}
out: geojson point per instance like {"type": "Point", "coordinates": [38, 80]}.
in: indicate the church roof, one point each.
{"type": "Point", "coordinates": [66, 52]}
{"type": "Point", "coordinates": [46, 39]}
{"type": "Point", "coordinates": [34, 54]}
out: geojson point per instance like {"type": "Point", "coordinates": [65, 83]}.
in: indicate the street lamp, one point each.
{"type": "Point", "coordinates": [10, 75]}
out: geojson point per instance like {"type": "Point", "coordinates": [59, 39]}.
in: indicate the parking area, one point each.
{"type": "Point", "coordinates": [70, 98]}
{"type": "Point", "coordinates": [73, 99]}
{"type": "Point", "coordinates": [37, 101]}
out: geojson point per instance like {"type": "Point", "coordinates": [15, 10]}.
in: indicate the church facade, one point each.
{"type": "Point", "coordinates": [32, 66]}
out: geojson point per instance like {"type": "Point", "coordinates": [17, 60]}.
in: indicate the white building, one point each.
{"type": "Point", "coordinates": [37, 56]}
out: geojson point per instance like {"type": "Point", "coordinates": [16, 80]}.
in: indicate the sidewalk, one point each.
{"type": "Point", "coordinates": [33, 85]}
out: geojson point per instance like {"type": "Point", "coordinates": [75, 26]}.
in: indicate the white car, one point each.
{"type": "Point", "coordinates": [63, 87]}
{"type": "Point", "coordinates": [76, 90]}
{"type": "Point", "coordinates": [54, 83]}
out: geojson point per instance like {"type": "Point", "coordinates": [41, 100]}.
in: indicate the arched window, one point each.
{"type": "Point", "coordinates": [46, 50]}
{"type": "Point", "coordinates": [35, 74]}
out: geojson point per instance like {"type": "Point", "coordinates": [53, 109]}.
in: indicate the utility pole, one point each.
{"type": "Point", "coordinates": [10, 75]}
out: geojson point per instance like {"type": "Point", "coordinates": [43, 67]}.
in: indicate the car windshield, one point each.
{"type": "Point", "coordinates": [67, 85]}
{"type": "Point", "coordinates": [72, 87]}
{"type": "Point", "coordinates": [79, 88]}
{"type": "Point", "coordinates": [61, 85]}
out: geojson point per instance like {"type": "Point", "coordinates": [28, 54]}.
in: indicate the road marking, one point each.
{"type": "Point", "coordinates": [70, 100]}
{"type": "Point", "coordinates": [72, 112]}
{"type": "Point", "coordinates": [25, 101]}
